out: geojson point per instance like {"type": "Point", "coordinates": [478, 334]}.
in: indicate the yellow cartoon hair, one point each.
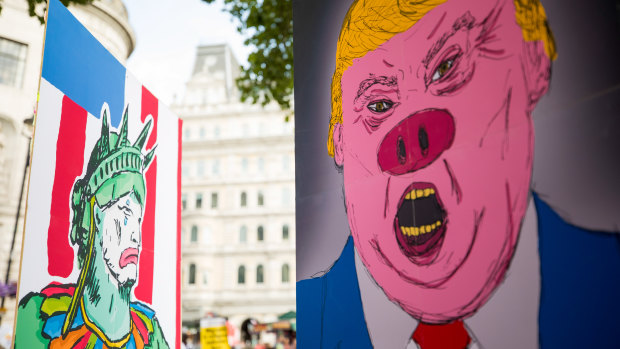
{"type": "Point", "coordinates": [370, 23]}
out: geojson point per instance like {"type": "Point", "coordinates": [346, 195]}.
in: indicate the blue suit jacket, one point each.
{"type": "Point", "coordinates": [579, 301]}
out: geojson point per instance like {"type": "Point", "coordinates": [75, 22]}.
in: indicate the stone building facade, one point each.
{"type": "Point", "coordinates": [238, 220]}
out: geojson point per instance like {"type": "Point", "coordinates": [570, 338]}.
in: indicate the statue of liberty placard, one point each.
{"type": "Point", "coordinates": [102, 213]}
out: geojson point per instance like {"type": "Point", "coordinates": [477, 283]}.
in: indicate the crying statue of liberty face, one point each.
{"type": "Point", "coordinates": [119, 235]}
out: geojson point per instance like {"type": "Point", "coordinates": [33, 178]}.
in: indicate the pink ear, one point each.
{"type": "Point", "coordinates": [338, 144]}
{"type": "Point", "coordinates": [537, 68]}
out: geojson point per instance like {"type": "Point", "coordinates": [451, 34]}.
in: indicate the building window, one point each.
{"type": "Point", "coordinates": [205, 277]}
{"type": "Point", "coordinates": [216, 132]}
{"type": "Point", "coordinates": [194, 234]}
{"type": "Point", "coordinates": [286, 196]}
{"type": "Point", "coordinates": [201, 168]}
{"type": "Point", "coordinates": [213, 200]}
{"type": "Point", "coordinates": [243, 234]}
{"type": "Point", "coordinates": [261, 165]}
{"type": "Point", "coordinates": [244, 199]}
{"type": "Point", "coordinates": [285, 232]}
{"type": "Point", "coordinates": [244, 164]}
{"type": "Point", "coordinates": [199, 200]}
{"type": "Point", "coordinates": [241, 275]}
{"type": "Point", "coordinates": [246, 130]}
{"type": "Point", "coordinates": [259, 274]}
{"type": "Point", "coordinates": [285, 163]}
{"type": "Point", "coordinates": [184, 201]}
{"type": "Point", "coordinates": [202, 133]}
{"type": "Point", "coordinates": [261, 199]}
{"type": "Point", "coordinates": [12, 62]}
{"type": "Point", "coordinates": [187, 133]}
{"type": "Point", "coordinates": [216, 166]}
{"type": "Point", "coordinates": [285, 273]}
{"type": "Point", "coordinates": [260, 233]}
{"type": "Point", "coordinates": [192, 274]}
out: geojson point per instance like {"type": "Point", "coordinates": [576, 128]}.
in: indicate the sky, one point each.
{"type": "Point", "coordinates": [167, 34]}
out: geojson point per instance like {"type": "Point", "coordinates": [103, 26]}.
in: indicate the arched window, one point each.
{"type": "Point", "coordinates": [214, 200]}
{"type": "Point", "coordinates": [192, 274]}
{"type": "Point", "coordinates": [194, 234]}
{"type": "Point", "coordinates": [260, 233]}
{"type": "Point", "coordinates": [244, 199]}
{"type": "Point", "coordinates": [241, 275]}
{"type": "Point", "coordinates": [199, 200]}
{"type": "Point", "coordinates": [285, 232]}
{"type": "Point", "coordinates": [261, 199]}
{"type": "Point", "coordinates": [285, 273]}
{"type": "Point", "coordinates": [259, 274]}
{"type": "Point", "coordinates": [243, 234]}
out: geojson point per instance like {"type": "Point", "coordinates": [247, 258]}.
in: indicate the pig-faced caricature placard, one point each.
{"type": "Point", "coordinates": [101, 244]}
{"type": "Point", "coordinates": [435, 203]}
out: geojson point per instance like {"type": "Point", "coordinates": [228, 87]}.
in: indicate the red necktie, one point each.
{"type": "Point", "coordinates": [446, 336]}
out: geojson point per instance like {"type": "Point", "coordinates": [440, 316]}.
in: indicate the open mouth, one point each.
{"type": "Point", "coordinates": [129, 256]}
{"type": "Point", "coordinates": [420, 222]}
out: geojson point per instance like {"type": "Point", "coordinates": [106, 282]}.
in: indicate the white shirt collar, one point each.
{"type": "Point", "coordinates": [508, 320]}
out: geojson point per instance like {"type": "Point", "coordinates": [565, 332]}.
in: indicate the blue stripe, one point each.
{"type": "Point", "coordinates": [131, 344]}
{"type": "Point", "coordinates": [79, 66]}
{"type": "Point", "coordinates": [53, 326]}
{"type": "Point", "coordinates": [143, 308]}
{"type": "Point", "coordinates": [78, 321]}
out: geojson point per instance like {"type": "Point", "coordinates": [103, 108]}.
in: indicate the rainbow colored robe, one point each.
{"type": "Point", "coordinates": [41, 316]}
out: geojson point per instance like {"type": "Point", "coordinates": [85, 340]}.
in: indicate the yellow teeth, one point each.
{"type": "Point", "coordinates": [415, 231]}
{"type": "Point", "coordinates": [419, 193]}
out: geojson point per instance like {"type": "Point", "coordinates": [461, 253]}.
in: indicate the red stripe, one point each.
{"type": "Point", "coordinates": [57, 289]}
{"type": "Point", "coordinates": [69, 164]}
{"type": "Point", "coordinates": [83, 341]}
{"type": "Point", "coordinates": [178, 294]}
{"type": "Point", "coordinates": [141, 326]}
{"type": "Point", "coordinates": [144, 289]}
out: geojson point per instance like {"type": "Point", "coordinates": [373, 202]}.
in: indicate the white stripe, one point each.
{"type": "Point", "coordinates": [34, 255]}
{"type": "Point", "coordinates": [133, 100]}
{"type": "Point", "coordinates": [164, 268]}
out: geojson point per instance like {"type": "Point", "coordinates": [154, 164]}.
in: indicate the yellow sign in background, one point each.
{"type": "Point", "coordinates": [214, 338]}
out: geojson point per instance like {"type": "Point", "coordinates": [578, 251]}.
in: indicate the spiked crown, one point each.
{"type": "Point", "coordinates": [115, 168]}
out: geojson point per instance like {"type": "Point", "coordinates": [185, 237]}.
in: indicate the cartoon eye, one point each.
{"type": "Point", "coordinates": [443, 68]}
{"type": "Point", "coordinates": [380, 106]}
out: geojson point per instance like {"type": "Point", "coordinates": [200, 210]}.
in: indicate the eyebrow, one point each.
{"type": "Point", "coordinates": [465, 21]}
{"type": "Point", "coordinates": [373, 80]}
{"type": "Point", "coordinates": [125, 208]}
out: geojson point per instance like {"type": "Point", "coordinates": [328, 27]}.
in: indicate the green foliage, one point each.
{"type": "Point", "coordinates": [269, 27]}
{"type": "Point", "coordinates": [32, 7]}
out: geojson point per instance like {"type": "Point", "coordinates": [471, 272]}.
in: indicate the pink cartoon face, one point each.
{"type": "Point", "coordinates": [436, 146]}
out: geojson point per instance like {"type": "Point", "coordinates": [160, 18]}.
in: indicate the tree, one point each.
{"type": "Point", "coordinates": [269, 24]}
{"type": "Point", "coordinates": [32, 5]}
